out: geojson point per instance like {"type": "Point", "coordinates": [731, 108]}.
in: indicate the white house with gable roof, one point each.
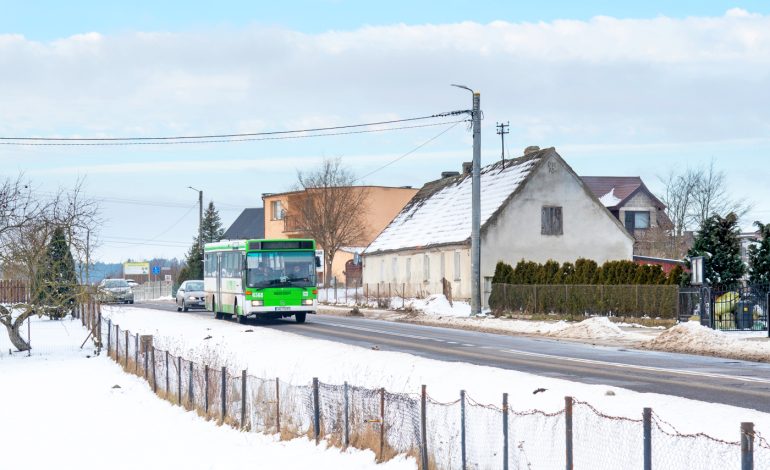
{"type": "Point", "coordinates": [533, 207]}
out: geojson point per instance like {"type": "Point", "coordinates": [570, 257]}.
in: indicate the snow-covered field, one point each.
{"type": "Point", "coordinates": [64, 410]}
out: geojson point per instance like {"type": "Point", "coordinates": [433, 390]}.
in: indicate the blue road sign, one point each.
{"type": "Point", "coordinates": [156, 270]}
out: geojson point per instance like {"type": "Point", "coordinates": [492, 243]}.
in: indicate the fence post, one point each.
{"type": "Point", "coordinates": [423, 428]}
{"type": "Point", "coordinates": [316, 412]}
{"type": "Point", "coordinates": [647, 424]}
{"type": "Point", "coordinates": [462, 429]}
{"type": "Point", "coordinates": [179, 380]}
{"type": "Point", "coordinates": [747, 446]}
{"type": "Point", "coordinates": [224, 393]}
{"type": "Point", "coordinates": [126, 352]}
{"type": "Point", "coordinates": [378, 295]}
{"type": "Point", "coordinates": [568, 431]}
{"type": "Point", "coordinates": [168, 392]}
{"type": "Point", "coordinates": [346, 405]}
{"type": "Point", "coordinates": [154, 371]}
{"type": "Point", "coordinates": [382, 423]}
{"type": "Point", "coordinates": [109, 336]}
{"type": "Point", "coordinates": [278, 406]}
{"type": "Point", "coordinates": [190, 396]}
{"type": "Point", "coordinates": [403, 295]}
{"type": "Point", "coordinates": [117, 344]}
{"type": "Point", "coordinates": [505, 431]}
{"type": "Point", "coordinates": [136, 354]}
{"type": "Point", "coordinates": [145, 363]}
{"type": "Point", "coordinates": [243, 399]}
{"type": "Point", "coordinates": [99, 328]}
{"type": "Point", "coordinates": [206, 389]}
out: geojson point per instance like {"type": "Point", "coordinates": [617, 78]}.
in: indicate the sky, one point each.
{"type": "Point", "coordinates": [619, 88]}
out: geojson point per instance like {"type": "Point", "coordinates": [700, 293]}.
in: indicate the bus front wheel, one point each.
{"type": "Point", "coordinates": [300, 317]}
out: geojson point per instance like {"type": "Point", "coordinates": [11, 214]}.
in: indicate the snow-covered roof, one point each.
{"type": "Point", "coordinates": [440, 213]}
{"type": "Point", "coordinates": [610, 199]}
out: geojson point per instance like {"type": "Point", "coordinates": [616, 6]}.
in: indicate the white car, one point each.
{"type": "Point", "coordinates": [190, 295]}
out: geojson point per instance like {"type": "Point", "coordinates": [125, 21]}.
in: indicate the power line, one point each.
{"type": "Point", "coordinates": [148, 202]}
{"type": "Point", "coordinates": [213, 138]}
{"type": "Point", "coordinates": [145, 242]}
{"type": "Point", "coordinates": [454, 124]}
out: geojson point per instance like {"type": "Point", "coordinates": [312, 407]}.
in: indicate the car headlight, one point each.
{"type": "Point", "coordinates": [257, 303]}
{"type": "Point", "coordinates": [307, 302]}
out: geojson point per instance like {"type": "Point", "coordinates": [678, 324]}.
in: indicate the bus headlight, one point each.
{"type": "Point", "coordinates": [307, 302]}
{"type": "Point", "coordinates": [257, 303]}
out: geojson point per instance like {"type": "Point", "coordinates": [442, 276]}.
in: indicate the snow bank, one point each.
{"type": "Point", "coordinates": [592, 328]}
{"type": "Point", "coordinates": [438, 305]}
{"type": "Point", "coordinates": [694, 338]}
{"type": "Point", "coordinates": [301, 358]}
{"type": "Point", "coordinates": [143, 430]}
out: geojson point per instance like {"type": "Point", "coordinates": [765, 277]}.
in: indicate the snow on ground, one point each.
{"type": "Point", "coordinates": [439, 305]}
{"type": "Point", "coordinates": [692, 337]}
{"type": "Point", "coordinates": [63, 411]}
{"type": "Point", "coordinates": [301, 359]}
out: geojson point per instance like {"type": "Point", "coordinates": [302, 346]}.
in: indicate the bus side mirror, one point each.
{"type": "Point", "coordinates": [317, 261]}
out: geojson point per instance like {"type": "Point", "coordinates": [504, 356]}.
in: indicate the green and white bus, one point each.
{"type": "Point", "coordinates": [260, 278]}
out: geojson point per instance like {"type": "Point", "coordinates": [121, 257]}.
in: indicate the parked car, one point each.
{"type": "Point", "coordinates": [190, 295]}
{"type": "Point", "coordinates": [132, 283]}
{"type": "Point", "coordinates": [116, 290]}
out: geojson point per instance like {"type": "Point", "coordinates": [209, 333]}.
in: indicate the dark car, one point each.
{"type": "Point", "coordinates": [190, 295]}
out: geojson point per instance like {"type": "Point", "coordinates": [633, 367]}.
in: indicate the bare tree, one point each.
{"type": "Point", "coordinates": [694, 195]}
{"type": "Point", "coordinates": [26, 228]}
{"type": "Point", "coordinates": [331, 210]}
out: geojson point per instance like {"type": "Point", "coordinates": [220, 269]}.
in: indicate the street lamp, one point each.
{"type": "Point", "coordinates": [475, 203]}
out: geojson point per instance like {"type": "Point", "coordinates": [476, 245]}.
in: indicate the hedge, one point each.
{"type": "Point", "coordinates": [599, 299]}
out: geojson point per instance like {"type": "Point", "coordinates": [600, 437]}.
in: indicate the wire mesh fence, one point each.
{"type": "Point", "coordinates": [461, 434]}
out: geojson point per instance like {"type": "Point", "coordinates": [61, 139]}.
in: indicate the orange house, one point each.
{"type": "Point", "coordinates": [382, 203]}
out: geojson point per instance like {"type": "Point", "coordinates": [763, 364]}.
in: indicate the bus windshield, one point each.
{"type": "Point", "coordinates": [280, 269]}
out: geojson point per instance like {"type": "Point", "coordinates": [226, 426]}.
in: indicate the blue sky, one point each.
{"type": "Point", "coordinates": [655, 87]}
{"type": "Point", "coordinates": [49, 19]}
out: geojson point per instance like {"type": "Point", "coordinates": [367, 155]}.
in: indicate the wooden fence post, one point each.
{"type": "Point", "coordinates": [179, 380]}
{"type": "Point", "coordinates": [206, 389]}
{"type": "Point", "coordinates": [316, 412]}
{"type": "Point", "coordinates": [647, 425]}
{"type": "Point", "coordinates": [505, 431]}
{"type": "Point", "coordinates": [423, 428]}
{"type": "Point", "coordinates": [568, 431]}
{"type": "Point", "coordinates": [224, 394]}
{"type": "Point", "coordinates": [243, 399]}
{"type": "Point", "coordinates": [278, 406]}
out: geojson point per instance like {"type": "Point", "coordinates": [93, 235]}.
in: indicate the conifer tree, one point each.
{"type": "Point", "coordinates": [717, 241]}
{"type": "Point", "coordinates": [759, 256]}
{"type": "Point", "coordinates": [212, 231]}
{"type": "Point", "coordinates": [56, 283]}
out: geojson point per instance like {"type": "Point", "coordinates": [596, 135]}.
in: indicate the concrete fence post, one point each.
{"type": "Point", "coordinates": [179, 380]}
{"type": "Point", "coordinates": [316, 412]}
{"type": "Point", "coordinates": [747, 446]}
{"type": "Point", "coordinates": [243, 399]}
{"type": "Point", "coordinates": [463, 455]}
{"type": "Point", "coordinates": [505, 431]}
{"type": "Point", "coordinates": [206, 389]}
{"type": "Point", "coordinates": [647, 425]}
{"type": "Point", "coordinates": [568, 432]}
{"type": "Point", "coordinates": [424, 428]}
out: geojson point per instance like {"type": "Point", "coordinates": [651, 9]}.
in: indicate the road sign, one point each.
{"type": "Point", "coordinates": [156, 270]}
{"type": "Point", "coordinates": [168, 278]}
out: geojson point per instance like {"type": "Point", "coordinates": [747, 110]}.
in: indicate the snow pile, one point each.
{"type": "Point", "coordinates": [438, 305]}
{"type": "Point", "coordinates": [144, 431]}
{"type": "Point", "coordinates": [694, 338]}
{"type": "Point", "coordinates": [592, 328]}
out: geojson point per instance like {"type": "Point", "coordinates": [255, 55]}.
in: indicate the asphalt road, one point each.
{"type": "Point", "coordinates": [739, 383]}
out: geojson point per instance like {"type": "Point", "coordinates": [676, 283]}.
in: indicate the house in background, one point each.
{"type": "Point", "coordinates": [534, 207]}
{"type": "Point", "coordinates": [249, 225]}
{"type": "Point", "coordinates": [640, 212]}
{"type": "Point", "coordinates": [382, 204]}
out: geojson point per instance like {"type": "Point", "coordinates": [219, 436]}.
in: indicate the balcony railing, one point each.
{"type": "Point", "coordinates": [293, 224]}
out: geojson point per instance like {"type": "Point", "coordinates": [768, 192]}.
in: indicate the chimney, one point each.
{"type": "Point", "coordinates": [467, 168]}
{"type": "Point", "coordinates": [449, 174]}
{"type": "Point", "coordinates": [531, 149]}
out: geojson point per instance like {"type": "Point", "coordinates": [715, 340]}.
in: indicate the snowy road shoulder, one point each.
{"type": "Point", "coordinates": [300, 359]}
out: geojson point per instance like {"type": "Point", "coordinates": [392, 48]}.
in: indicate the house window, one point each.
{"type": "Point", "coordinates": [408, 269]}
{"type": "Point", "coordinates": [426, 268]}
{"type": "Point", "coordinates": [394, 268]}
{"type": "Point", "coordinates": [276, 210]}
{"type": "Point", "coordinates": [551, 221]}
{"type": "Point", "coordinates": [637, 220]}
{"type": "Point", "coordinates": [457, 265]}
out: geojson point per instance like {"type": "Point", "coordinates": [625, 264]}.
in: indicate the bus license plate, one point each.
{"type": "Point", "coordinates": [282, 309]}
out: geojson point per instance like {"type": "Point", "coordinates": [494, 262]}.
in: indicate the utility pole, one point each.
{"type": "Point", "coordinates": [475, 204]}
{"type": "Point", "coordinates": [502, 129]}
{"type": "Point", "coordinates": [200, 218]}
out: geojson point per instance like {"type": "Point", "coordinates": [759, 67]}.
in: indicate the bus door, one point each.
{"type": "Point", "coordinates": [218, 303]}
